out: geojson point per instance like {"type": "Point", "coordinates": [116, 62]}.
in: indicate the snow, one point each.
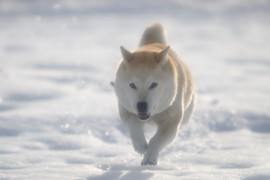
{"type": "Point", "coordinates": [58, 112]}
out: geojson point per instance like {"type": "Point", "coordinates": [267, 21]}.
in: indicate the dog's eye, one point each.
{"type": "Point", "coordinates": [133, 86]}
{"type": "Point", "coordinates": [153, 85]}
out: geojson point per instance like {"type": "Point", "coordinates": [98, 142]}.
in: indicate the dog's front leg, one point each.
{"type": "Point", "coordinates": [135, 128]}
{"type": "Point", "coordinates": [165, 134]}
{"type": "Point", "coordinates": [137, 135]}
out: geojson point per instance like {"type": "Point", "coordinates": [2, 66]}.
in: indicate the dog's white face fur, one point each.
{"type": "Point", "coordinates": [147, 77]}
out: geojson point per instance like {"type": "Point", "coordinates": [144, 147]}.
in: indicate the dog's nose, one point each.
{"type": "Point", "coordinates": [142, 106]}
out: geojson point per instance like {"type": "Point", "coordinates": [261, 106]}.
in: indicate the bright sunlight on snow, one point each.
{"type": "Point", "coordinates": [58, 113]}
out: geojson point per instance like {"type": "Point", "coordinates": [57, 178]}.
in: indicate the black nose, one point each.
{"type": "Point", "coordinates": [142, 106]}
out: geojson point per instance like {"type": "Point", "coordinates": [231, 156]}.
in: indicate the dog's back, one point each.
{"type": "Point", "coordinates": [154, 33]}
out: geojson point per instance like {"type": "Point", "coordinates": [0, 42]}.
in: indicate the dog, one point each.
{"type": "Point", "coordinates": [153, 84]}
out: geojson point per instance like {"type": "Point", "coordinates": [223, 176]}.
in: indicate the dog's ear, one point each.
{"type": "Point", "coordinates": [162, 56]}
{"type": "Point", "coordinates": [128, 56]}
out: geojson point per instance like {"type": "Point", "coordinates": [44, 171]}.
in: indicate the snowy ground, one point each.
{"type": "Point", "coordinates": [58, 113]}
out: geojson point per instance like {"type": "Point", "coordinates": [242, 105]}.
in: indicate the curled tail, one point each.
{"type": "Point", "coordinates": [154, 33]}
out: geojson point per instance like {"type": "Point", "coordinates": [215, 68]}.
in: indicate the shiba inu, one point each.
{"type": "Point", "coordinates": [153, 84]}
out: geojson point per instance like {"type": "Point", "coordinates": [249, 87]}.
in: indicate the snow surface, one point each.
{"type": "Point", "coordinates": [58, 113]}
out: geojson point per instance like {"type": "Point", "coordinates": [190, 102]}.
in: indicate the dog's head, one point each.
{"type": "Point", "coordinates": [145, 82]}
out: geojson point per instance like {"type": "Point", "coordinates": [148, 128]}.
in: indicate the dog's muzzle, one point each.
{"type": "Point", "coordinates": [142, 108]}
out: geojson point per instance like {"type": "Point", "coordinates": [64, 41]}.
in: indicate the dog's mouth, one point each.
{"type": "Point", "coordinates": [143, 115]}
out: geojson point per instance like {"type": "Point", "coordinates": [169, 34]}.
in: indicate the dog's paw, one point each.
{"type": "Point", "coordinates": [140, 146]}
{"type": "Point", "coordinates": [149, 159]}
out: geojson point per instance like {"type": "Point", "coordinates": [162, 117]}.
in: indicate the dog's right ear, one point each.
{"type": "Point", "coordinates": [128, 56]}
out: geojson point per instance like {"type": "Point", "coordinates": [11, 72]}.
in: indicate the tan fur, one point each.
{"type": "Point", "coordinates": [153, 34]}
{"type": "Point", "coordinates": [155, 76]}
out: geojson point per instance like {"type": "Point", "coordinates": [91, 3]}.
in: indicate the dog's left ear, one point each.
{"type": "Point", "coordinates": [162, 56]}
{"type": "Point", "coordinates": [128, 56]}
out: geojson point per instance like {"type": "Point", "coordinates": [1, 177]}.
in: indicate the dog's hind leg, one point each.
{"type": "Point", "coordinates": [188, 111]}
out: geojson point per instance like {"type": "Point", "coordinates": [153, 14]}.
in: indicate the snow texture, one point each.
{"type": "Point", "coordinates": [58, 112]}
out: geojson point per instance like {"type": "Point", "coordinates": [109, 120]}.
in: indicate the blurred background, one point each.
{"type": "Point", "coordinates": [57, 59]}
{"type": "Point", "coordinates": [75, 45]}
